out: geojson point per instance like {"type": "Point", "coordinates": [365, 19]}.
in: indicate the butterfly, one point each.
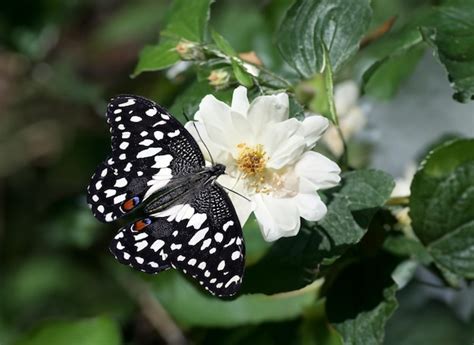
{"type": "Point", "coordinates": [190, 223]}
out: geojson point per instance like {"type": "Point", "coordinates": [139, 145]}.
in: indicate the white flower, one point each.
{"type": "Point", "coordinates": [351, 117]}
{"type": "Point", "coordinates": [268, 159]}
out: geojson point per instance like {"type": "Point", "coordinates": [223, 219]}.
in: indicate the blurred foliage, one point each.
{"type": "Point", "coordinates": [337, 282]}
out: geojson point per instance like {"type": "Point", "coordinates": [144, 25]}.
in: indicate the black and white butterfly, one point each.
{"type": "Point", "coordinates": [190, 222]}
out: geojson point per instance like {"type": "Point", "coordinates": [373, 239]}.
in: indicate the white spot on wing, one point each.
{"type": "Point", "coordinates": [198, 236]}
{"type": "Point", "coordinates": [157, 245]}
{"type": "Point", "coordinates": [120, 198]}
{"type": "Point", "coordinates": [135, 118]}
{"type": "Point", "coordinates": [226, 225]}
{"type": "Point", "coordinates": [162, 161]}
{"type": "Point", "coordinates": [148, 152]}
{"type": "Point", "coordinates": [141, 245]}
{"type": "Point", "coordinates": [218, 237]}
{"type": "Point", "coordinates": [100, 208]}
{"type": "Point", "coordinates": [130, 101]}
{"type": "Point", "coordinates": [98, 185]}
{"type": "Point", "coordinates": [235, 255]}
{"type": "Point", "coordinates": [221, 265]}
{"type": "Point", "coordinates": [146, 142]}
{"type": "Point", "coordinates": [139, 259]}
{"type": "Point", "coordinates": [206, 243]}
{"type": "Point", "coordinates": [140, 236]}
{"type": "Point", "coordinates": [122, 182]}
{"type": "Point", "coordinates": [158, 135]}
{"type": "Point", "coordinates": [124, 145]}
{"type": "Point", "coordinates": [175, 246]}
{"type": "Point", "coordinates": [192, 262]}
{"type": "Point", "coordinates": [126, 135]}
{"type": "Point", "coordinates": [151, 112]}
{"type": "Point", "coordinates": [197, 220]}
{"type": "Point", "coordinates": [234, 279]}
{"type": "Point", "coordinates": [117, 111]}
{"type": "Point", "coordinates": [144, 133]}
{"type": "Point", "coordinates": [108, 217]}
{"type": "Point", "coordinates": [173, 134]}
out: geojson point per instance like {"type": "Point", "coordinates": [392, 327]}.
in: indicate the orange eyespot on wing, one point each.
{"type": "Point", "coordinates": [141, 224]}
{"type": "Point", "coordinates": [130, 204]}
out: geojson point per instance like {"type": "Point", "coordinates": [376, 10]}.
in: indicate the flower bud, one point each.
{"type": "Point", "coordinates": [189, 50]}
{"type": "Point", "coordinates": [219, 78]}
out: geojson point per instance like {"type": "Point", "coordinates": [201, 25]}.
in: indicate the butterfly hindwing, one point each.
{"type": "Point", "coordinates": [149, 149]}
{"type": "Point", "coordinates": [200, 235]}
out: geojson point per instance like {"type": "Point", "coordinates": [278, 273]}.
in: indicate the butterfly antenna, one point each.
{"type": "Point", "coordinates": [199, 135]}
{"type": "Point", "coordinates": [233, 191]}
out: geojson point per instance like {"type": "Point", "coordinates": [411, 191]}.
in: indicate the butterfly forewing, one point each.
{"type": "Point", "coordinates": [149, 149]}
{"type": "Point", "coordinates": [201, 237]}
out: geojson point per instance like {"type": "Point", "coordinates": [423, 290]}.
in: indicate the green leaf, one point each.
{"type": "Point", "coordinates": [242, 76]}
{"type": "Point", "coordinates": [96, 331]}
{"type": "Point", "coordinates": [294, 262]}
{"type": "Point", "coordinates": [315, 328]}
{"type": "Point", "coordinates": [155, 58]}
{"type": "Point", "coordinates": [450, 32]}
{"type": "Point", "coordinates": [308, 24]}
{"type": "Point", "coordinates": [401, 245]}
{"type": "Point", "coordinates": [383, 79]}
{"type": "Point", "coordinates": [222, 44]}
{"type": "Point", "coordinates": [362, 299]}
{"type": "Point", "coordinates": [188, 20]}
{"type": "Point", "coordinates": [442, 206]}
{"type": "Point", "coordinates": [201, 309]}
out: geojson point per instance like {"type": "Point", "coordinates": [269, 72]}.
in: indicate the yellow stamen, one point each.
{"type": "Point", "coordinates": [251, 161]}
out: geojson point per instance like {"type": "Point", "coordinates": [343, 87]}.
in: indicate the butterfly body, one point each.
{"type": "Point", "coordinates": [190, 222]}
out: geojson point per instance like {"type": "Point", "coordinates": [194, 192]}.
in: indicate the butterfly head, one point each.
{"type": "Point", "coordinates": [217, 170]}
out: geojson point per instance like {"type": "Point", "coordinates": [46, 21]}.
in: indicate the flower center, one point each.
{"type": "Point", "coordinates": [251, 160]}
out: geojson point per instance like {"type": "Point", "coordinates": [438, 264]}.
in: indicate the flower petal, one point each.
{"type": "Point", "coordinates": [314, 127]}
{"type": "Point", "coordinates": [217, 119]}
{"type": "Point", "coordinates": [283, 142]}
{"type": "Point", "coordinates": [218, 154]}
{"type": "Point", "coordinates": [242, 206]}
{"type": "Point", "coordinates": [316, 172]}
{"type": "Point", "coordinates": [276, 217]}
{"type": "Point", "coordinates": [310, 206]}
{"type": "Point", "coordinates": [268, 109]}
{"type": "Point", "coordinates": [240, 102]}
